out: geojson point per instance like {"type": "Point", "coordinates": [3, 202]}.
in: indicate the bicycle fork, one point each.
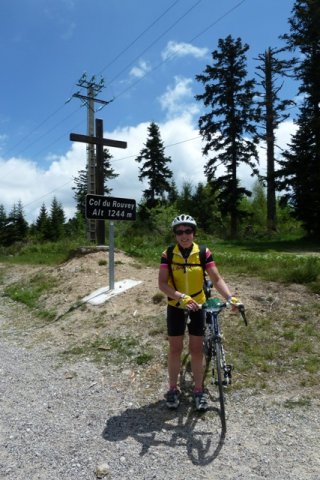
{"type": "Point", "coordinates": [225, 367]}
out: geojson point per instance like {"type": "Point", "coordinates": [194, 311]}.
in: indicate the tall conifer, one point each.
{"type": "Point", "coordinates": [228, 128]}
{"type": "Point", "coordinates": [154, 168]}
{"type": "Point", "coordinates": [301, 165]}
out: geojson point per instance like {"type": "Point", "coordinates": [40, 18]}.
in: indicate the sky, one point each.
{"type": "Point", "coordinates": [147, 54]}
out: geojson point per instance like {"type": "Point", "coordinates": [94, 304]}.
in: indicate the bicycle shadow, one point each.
{"type": "Point", "coordinates": [154, 425]}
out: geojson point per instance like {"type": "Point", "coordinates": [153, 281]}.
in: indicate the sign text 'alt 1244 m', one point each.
{"type": "Point", "coordinates": [99, 207]}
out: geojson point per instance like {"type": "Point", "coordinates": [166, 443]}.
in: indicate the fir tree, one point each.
{"type": "Point", "coordinates": [229, 126]}
{"type": "Point", "coordinates": [42, 225]}
{"type": "Point", "coordinates": [15, 226]}
{"type": "Point", "coordinates": [273, 112]}
{"type": "Point", "coordinates": [154, 168]}
{"type": "Point", "coordinates": [57, 221]}
{"type": "Point", "coordinates": [299, 171]}
{"type": "Point", "coordinates": [3, 224]}
{"type": "Point", "coordinates": [301, 165]}
{"type": "Point", "coordinates": [20, 222]}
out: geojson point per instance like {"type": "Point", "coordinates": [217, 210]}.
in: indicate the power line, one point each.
{"type": "Point", "coordinates": [114, 160]}
{"type": "Point", "coordinates": [43, 122]}
{"type": "Point", "coordinates": [116, 76]}
{"type": "Point", "coordinates": [218, 20]}
{"type": "Point", "coordinates": [46, 194]}
{"type": "Point", "coordinates": [165, 146]}
{"type": "Point", "coordinates": [63, 135]}
{"type": "Point", "coordinates": [35, 129]}
{"type": "Point", "coordinates": [49, 131]}
{"type": "Point", "coordinates": [138, 37]}
{"type": "Point", "coordinates": [123, 51]}
{"type": "Point", "coordinates": [169, 57]}
{"type": "Point", "coordinates": [156, 40]}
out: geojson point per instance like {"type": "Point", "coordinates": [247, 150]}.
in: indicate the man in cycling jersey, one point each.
{"type": "Point", "coordinates": [181, 279]}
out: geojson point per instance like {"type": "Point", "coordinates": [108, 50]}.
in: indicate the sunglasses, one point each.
{"type": "Point", "coordinates": [187, 231]}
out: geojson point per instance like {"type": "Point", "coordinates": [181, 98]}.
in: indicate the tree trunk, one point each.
{"type": "Point", "coordinates": [271, 188]}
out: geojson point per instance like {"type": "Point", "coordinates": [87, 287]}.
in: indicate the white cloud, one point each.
{"type": "Point", "coordinates": [182, 49]}
{"type": "Point", "coordinates": [179, 99]}
{"type": "Point", "coordinates": [283, 135]}
{"type": "Point", "coordinates": [22, 179]}
{"type": "Point", "coordinates": [140, 70]}
{"type": "Point", "coordinates": [285, 131]}
{"type": "Point", "coordinates": [187, 162]}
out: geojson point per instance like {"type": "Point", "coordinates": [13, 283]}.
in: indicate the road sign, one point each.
{"type": "Point", "coordinates": [99, 207]}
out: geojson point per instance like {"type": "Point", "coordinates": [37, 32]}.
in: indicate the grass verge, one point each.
{"type": "Point", "coordinates": [111, 349]}
{"type": "Point", "coordinates": [275, 347]}
{"type": "Point", "coordinates": [29, 293]}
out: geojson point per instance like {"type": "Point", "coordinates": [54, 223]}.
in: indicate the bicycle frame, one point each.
{"type": "Point", "coordinates": [213, 335]}
{"type": "Point", "coordinates": [214, 351]}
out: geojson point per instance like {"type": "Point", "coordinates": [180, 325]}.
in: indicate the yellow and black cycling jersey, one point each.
{"type": "Point", "coordinates": [187, 272]}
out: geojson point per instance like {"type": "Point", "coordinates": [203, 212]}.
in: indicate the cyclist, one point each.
{"type": "Point", "coordinates": [181, 279]}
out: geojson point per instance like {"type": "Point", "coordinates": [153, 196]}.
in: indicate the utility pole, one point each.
{"type": "Point", "coordinates": [93, 88]}
{"type": "Point", "coordinates": [99, 141]}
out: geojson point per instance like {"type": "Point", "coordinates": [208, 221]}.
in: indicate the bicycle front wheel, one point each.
{"type": "Point", "coordinates": [219, 381]}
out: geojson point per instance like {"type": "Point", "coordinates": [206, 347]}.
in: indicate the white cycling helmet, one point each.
{"type": "Point", "coordinates": [184, 219]}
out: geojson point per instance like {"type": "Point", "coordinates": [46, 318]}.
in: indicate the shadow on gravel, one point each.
{"type": "Point", "coordinates": [154, 425]}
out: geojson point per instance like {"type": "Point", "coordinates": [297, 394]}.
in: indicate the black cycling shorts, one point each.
{"type": "Point", "coordinates": [177, 322]}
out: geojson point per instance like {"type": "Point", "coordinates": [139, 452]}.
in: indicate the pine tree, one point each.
{"type": "Point", "coordinates": [3, 223]}
{"type": "Point", "coordinates": [80, 191]}
{"type": "Point", "coordinates": [273, 112]}
{"type": "Point", "coordinates": [229, 126]}
{"type": "Point", "coordinates": [21, 223]}
{"type": "Point", "coordinates": [3, 217]}
{"type": "Point", "coordinates": [15, 226]}
{"type": "Point", "coordinates": [206, 210]}
{"type": "Point", "coordinates": [154, 168]}
{"type": "Point", "coordinates": [56, 221]}
{"type": "Point", "coordinates": [301, 165]}
{"type": "Point", "coordinates": [173, 192]}
{"type": "Point", "coordinates": [42, 225]}
{"type": "Point", "coordinates": [185, 200]}
{"type": "Point", "coordinates": [299, 171]}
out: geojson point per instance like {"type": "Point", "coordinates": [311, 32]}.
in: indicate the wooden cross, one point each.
{"type": "Point", "coordinates": [100, 142]}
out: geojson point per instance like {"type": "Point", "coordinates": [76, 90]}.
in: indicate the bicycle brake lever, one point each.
{"type": "Point", "coordinates": [243, 315]}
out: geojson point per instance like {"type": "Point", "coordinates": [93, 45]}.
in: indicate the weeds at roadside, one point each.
{"type": "Point", "coordinates": [111, 349]}
{"type": "Point", "coordinates": [301, 402]}
{"type": "Point", "coordinates": [273, 345]}
{"type": "Point", "coordinates": [29, 293]}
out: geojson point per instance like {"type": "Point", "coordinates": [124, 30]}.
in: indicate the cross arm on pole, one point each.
{"type": "Point", "coordinates": [75, 137]}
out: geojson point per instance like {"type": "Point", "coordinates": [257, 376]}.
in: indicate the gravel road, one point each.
{"type": "Point", "coordinates": [83, 423]}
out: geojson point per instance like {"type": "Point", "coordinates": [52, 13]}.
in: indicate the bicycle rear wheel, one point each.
{"type": "Point", "coordinates": [219, 382]}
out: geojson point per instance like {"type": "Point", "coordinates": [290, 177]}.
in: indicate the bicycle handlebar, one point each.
{"type": "Point", "coordinates": [217, 304]}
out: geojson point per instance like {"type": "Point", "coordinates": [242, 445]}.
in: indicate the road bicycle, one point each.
{"type": "Point", "coordinates": [213, 349]}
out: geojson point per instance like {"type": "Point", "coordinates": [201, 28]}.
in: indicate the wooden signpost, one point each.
{"type": "Point", "coordinates": [102, 208]}
{"type": "Point", "coordinates": [99, 142]}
